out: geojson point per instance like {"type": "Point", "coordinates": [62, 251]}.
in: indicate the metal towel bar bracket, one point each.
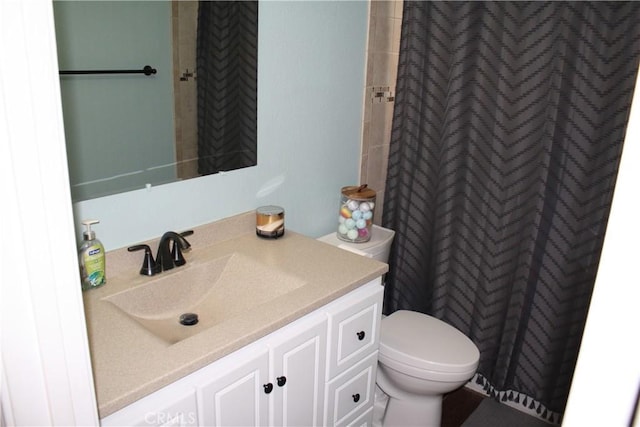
{"type": "Point", "coordinates": [147, 71]}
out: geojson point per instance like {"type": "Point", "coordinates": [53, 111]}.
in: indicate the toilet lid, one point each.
{"type": "Point", "coordinates": [424, 342]}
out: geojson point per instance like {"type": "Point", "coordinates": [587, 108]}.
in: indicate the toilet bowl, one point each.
{"type": "Point", "coordinates": [420, 357]}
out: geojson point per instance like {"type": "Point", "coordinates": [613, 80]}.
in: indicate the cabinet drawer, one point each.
{"type": "Point", "coordinates": [351, 394]}
{"type": "Point", "coordinates": [364, 420]}
{"type": "Point", "coordinates": [355, 332]}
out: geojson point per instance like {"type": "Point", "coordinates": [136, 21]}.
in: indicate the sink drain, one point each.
{"type": "Point", "coordinates": [188, 319]}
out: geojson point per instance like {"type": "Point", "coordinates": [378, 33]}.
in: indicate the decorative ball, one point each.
{"type": "Point", "coordinates": [367, 215]}
{"type": "Point", "coordinates": [356, 215]}
{"type": "Point", "coordinates": [341, 219]}
{"type": "Point", "coordinates": [342, 229]}
{"type": "Point", "coordinates": [363, 232]}
{"type": "Point", "coordinates": [361, 223]}
{"type": "Point", "coordinates": [352, 234]}
{"type": "Point", "coordinates": [345, 212]}
{"type": "Point", "coordinates": [353, 205]}
{"type": "Point", "coordinates": [350, 223]}
{"type": "Point", "coordinates": [364, 207]}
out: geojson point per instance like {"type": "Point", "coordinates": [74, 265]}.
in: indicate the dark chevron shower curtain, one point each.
{"type": "Point", "coordinates": [508, 126]}
{"type": "Point", "coordinates": [227, 67]}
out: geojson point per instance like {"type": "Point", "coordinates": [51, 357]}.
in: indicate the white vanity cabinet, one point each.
{"type": "Point", "coordinates": [318, 370]}
{"type": "Point", "coordinates": [281, 384]}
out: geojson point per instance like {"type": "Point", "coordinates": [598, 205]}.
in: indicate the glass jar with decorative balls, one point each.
{"type": "Point", "coordinates": [355, 219]}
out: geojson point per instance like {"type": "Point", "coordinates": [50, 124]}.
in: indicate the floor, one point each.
{"type": "Point", "coordinates": [468, 408]}
{"type": "Point", "coordinates": [458, 405]}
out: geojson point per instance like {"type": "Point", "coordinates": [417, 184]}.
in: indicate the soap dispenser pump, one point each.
{"type": "Point", "coordinates": [92, 258]}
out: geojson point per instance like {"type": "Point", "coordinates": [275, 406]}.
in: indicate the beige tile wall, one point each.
{"type": "Point", "coordinates": [385, 20]}
{"type": "Point", "coordinates": [184, 21]}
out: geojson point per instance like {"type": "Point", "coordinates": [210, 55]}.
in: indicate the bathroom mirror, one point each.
{"type": "Point", "coordinates": [195, 116]}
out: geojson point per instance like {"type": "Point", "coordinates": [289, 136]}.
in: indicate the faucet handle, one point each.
{"type": "Point", "coordinates": [186, 233]}
{"type": "Point", "coordinates": [177, 248]}
{"type": "Point", "coordinates": [149, 266]}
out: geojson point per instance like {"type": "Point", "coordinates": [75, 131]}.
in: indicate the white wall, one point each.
{"type": "Point", "coordinates": [607, 376]}
{"type": "Point", "coordinates": [311, 67]}
{"type": "Point", "coordinates": [45, 374]}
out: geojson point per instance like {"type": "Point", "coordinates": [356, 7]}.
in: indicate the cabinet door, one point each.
{"type": "Point", "coordinates": [297, 373]}
{"type": "Point", "coordinates": [173, 405]}
{"type": "Point", "coordinates": [235, 394]}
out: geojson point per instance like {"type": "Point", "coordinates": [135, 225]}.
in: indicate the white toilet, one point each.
{"type": "Point", "coordinates": [420, 358]}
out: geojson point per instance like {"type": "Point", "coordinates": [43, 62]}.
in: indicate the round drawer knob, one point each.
{"type": "Point", "coordinates": [360, 335]}
{"type": "Point", "coordinates": [356, 397]}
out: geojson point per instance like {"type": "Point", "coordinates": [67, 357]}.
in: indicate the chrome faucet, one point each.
{"type": "Point", "coordinates": [168, 258]}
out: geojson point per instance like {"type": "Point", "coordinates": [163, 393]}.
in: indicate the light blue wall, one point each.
{"type": "Point", "coordinates": [130, 116]}
{"type": "Point", "coordinates": [310, 93]}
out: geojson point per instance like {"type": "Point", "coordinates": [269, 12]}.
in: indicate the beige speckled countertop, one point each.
{"type": "Point", "coordinates": [129, 362]}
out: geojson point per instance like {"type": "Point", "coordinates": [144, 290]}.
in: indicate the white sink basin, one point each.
{"type": "Point", "coordinates": [216, 291]}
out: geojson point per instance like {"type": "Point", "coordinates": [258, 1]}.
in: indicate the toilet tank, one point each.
{"type": "Point", "coordinates": [377, 247]}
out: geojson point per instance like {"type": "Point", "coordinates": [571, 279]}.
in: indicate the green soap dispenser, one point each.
{"type": "Point", "coordinates": [92, 258]}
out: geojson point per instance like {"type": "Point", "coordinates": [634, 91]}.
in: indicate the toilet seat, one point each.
{"type": "Point", "coordinates": [424, 344]}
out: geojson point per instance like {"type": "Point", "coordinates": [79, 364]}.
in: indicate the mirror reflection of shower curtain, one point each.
{"type": "Point", "coordinates": [227, 65]}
